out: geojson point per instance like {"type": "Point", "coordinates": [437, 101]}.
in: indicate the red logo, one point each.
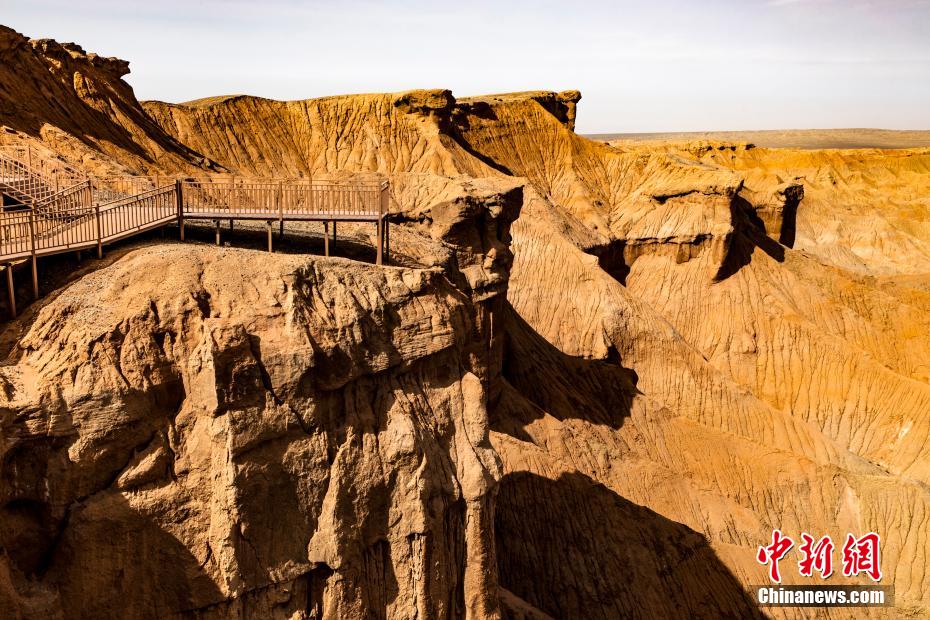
{"type": "Point", "coordinates": [773, 553]}
{"type": "Point", "coordinates": [862, 556]}
{"type": "Point", "coordinates": [817, 557]}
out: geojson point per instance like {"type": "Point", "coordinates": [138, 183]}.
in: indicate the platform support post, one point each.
{"type": "Point", "coordinates": [334, 235]}
{"type": "Point", "coordinates": [380, 241]}
{"type": "Point", "coordinates": [11, 290]}
{"type": "Point", "coordinates": [268, 223]}
{"type": "Point", "coordinates": [326, 238]}
{"type": "Point", "coordinates": [387, 240]}
{"type": "Point", "coordinates": [217, 232]}
{"type": "Point", "coordinates": [35, 277]}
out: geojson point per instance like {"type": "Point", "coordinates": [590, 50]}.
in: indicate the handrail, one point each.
{"type": "Point", "coordinates": [258, 198]}
{"type": "Point", "coordinates": [97, 211]}
{"type": "Point", "coordinates": [63, 193]}
{"type": "Point", "coordinates": [118, 202]}
{"type": "Point", "coordinates": [42, 164]}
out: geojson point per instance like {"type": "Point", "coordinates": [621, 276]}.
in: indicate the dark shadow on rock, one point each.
{"type": "Point", "coordinates": [748, 235]}
{"type": "Point", "coordinates": [611, 258]}
{"type": "Point", "coordinates": [789, 226]}
{"type": "Point", "coordinates": [113, 561]}
{"type": "Point", "coordinates": [460, 123]}
{"type": "Point", "coordinates": [542, 379]}
{"type": "Point", "coordinates": [573, 548]}
{"type": "Point", "coordinates": [299, 238]}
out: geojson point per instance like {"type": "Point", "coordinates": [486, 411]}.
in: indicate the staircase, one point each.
{"type": "Point", "coordinates": [50, 207]}
{"type": "Point", "coordinates": [29, 176]}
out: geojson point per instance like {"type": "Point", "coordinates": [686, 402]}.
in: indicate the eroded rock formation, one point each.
{"type": "Point", "coordinates": [606, 374]}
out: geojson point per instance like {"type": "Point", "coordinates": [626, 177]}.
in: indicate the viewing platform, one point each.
{"type": "Point", "coordinates": [92, 213]}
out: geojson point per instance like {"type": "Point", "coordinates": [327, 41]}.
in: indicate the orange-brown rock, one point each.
{"type": "Point", "coordinates": [77, 103]}
{"type": "Point", "coordinates": [601, 410]}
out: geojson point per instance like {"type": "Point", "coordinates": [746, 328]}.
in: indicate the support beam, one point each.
{"type": "Point", "coordinates": [268, 223]}
{"type": "Point", "coordinates": [217, 232]}
{"type": "Point", "coordinates": [334, 235]}
{"type": "Point", "coordinates": [230, 224]}
{"type": "Point", "coordinates": [281, 232]}
{"type": "Point", "coordinates": [35, 277]}
{"type": "Point", "coordinates": [380, 241]}
{"type": "Point", "coordinates": [326, 238]}
{"type": "Point", "coordinates": [387, 240]}
{"type": "Point", "coordinates": [11, 290]}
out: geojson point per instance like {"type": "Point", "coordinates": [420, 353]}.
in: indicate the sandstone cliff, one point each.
{"type": "Point", "coordinates": [311, 440]}
{"type": "Point", "coordinates": [77, 103]}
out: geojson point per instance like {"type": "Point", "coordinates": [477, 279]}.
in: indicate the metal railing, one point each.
{"type": "Point", "coordinates": [66, 209]}
{"type": "Point", "coordinates": [55, 206]}
{"type": "Point", "coordinates": [127, 216]}
{"type": "Point", "coordinates": [109, 189]}
{"type": "Point", "coordinates": [81, 224]}
{"type": "Point", "coordinates": [32, 175]}
{"type": "Point", "coordinates": [71, 218]}
{"type": "Point", "coordinates": [283, 199]}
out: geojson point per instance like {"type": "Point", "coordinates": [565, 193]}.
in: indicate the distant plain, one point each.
{"type": "Point", "coordinates": [790, 138]}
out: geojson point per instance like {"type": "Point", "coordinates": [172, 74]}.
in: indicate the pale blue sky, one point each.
{"type": "Point", "coordinates": [663, 65]}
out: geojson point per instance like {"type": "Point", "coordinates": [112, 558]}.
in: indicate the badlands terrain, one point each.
{"type": "Point", "coordinates": [594, 380]}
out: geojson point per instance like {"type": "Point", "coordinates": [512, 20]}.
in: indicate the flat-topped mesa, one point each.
{"type": "Point", "coordinates": [386, 133]}
{"type": "Point", "coordinates": [562, 105]}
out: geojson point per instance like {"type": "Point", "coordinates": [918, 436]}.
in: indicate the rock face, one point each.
{"type": "Point", "coordinates": [403, 132]}
{"type": "Point", "coordinates": [78, 104]}
{"type": "Point", "coordinates": [606, 374]}
{"type": "Point", "coordinates": [313, 439]}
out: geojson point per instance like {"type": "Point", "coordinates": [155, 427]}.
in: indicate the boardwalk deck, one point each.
{"type": "Point", "coordinates": [69, 220]}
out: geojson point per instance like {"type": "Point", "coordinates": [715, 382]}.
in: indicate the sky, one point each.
{"type": "Point", "coordinates": [660, 65]}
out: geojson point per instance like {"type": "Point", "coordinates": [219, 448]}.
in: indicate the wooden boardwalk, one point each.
{"type": "Point", "coordinates": [74, 219]}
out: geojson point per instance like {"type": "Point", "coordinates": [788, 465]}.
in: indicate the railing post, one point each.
{"type": "Point", "coordinates": [279, 198]}
{"type": "Point", "coordinates": [383, 206]}
{"type": "Point", "coordinates": [99, 232]}
{"type": "Point", "coordinates": [179, 199]}
{"type": "Point", "coordinates": [384, 225]}
{"type": "Point", "coordinates": [35, 265]}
